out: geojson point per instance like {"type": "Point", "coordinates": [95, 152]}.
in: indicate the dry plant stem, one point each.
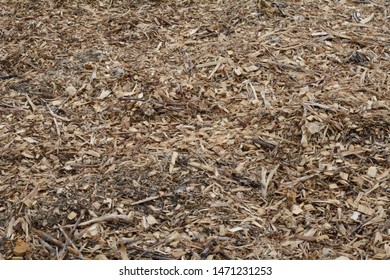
{"type": "Point", "coordinates": [8, 76]}
{"type": "Point", "coordinates": [48, 247]}
{"type": "Point", "coordinates": [68, 240]}
{"type": "Point", "coordinates": [145, 200]}
{"type": "Point", "coordinates": [77, 222]}
{"type": "Point", "coordinates": [57, 116]}
{"type": "Point", "coordinates": [54, 241]}
{"type": "Point", "coordinates": [106, 218]}
{"type": "Point", "coordinates": [263, 143]}
{"type": "Point", "coordinates": [63, 252]}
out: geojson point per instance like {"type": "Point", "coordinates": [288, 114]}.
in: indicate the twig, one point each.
{"type": "Point", "coordinates": [64, 250]}
{"type": "Point", "coordinates": [57, 116]}
{"type": "Point", "coordinates": [145, 200]}
{"type": "Point", "coordinates": [33, 107]}
{"type": "Point", "coordinates": [263, 143]}
{"type": "Point", "coordinates": [105, 218]}
{"type": "Point", "coordinates": [54, 241]}
{"type": "Point", "coordinates": [214, 70]}
{"type": "Point", "coordinates": [291, 184]}
{"type": "Point", "coordinates": [77, 222]}
{"type": "Point", "coordinates": [8, 76]}
{"type": "Point", "coordinates": [68, 240]}
{"type": "Point", "coordinates": [322, 106]}
{"type": "Point", "coordinates": [48, 247]}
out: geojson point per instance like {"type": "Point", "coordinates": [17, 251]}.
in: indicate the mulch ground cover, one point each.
{"type": "Point", "coordinates": [194, 129]}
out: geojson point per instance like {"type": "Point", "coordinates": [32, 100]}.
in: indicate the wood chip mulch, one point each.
{"type": "Point", "coordinates": [194, 129]}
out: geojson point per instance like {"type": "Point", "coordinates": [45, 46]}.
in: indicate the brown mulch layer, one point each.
{"type": "Point", "coordinates": [194, 129]}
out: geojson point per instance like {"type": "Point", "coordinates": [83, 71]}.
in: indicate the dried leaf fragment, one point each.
{"type": "Point", "coordinates": [21, 247]}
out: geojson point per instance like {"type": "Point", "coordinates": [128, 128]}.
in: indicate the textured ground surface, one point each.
{"type": "Point", "coordinates": [194, 129]}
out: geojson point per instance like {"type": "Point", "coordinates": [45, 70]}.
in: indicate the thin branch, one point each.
{"type": "Point", "coordinates": [145, 200]}
{"type": "Point", "coordinates": [50, 239]}
{"type": "Point", "coordinates": [105, 218]}
{"type": "Point", "coordinates": [8, 76]}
